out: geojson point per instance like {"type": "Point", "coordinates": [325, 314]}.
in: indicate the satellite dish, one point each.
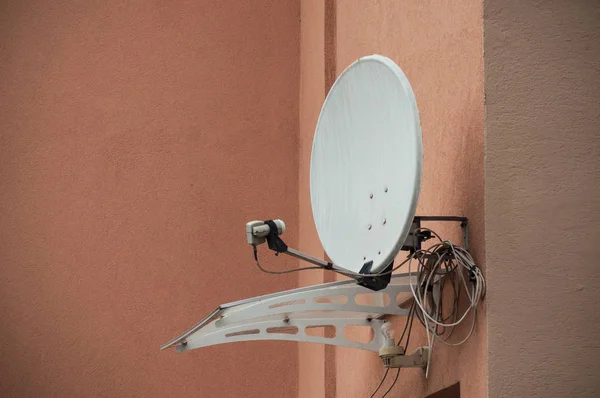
{"type": "Point", "coordinates": [365, 176]}
{"type": "Point", "coordinates": [365, 169]}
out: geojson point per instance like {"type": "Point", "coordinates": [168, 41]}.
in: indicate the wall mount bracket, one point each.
{"type": "Point", "coordinates": [394, 357]}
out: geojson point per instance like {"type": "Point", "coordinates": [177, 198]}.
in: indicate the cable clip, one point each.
{"type": "Point", "coordinates": [473, 273]}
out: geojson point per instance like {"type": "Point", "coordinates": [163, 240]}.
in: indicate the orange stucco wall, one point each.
{"type": "Point", "coordinates": [314, 359]}
{"type": "Point", "coordinates": [439, 47]}
{"type": "Point", "coordinates": [137, 140]}
{"type": "Point", "coordinates": [542, 197]}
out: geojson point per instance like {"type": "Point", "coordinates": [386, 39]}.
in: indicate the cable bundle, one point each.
{"type": "Point", "coordinates": [442, 266]}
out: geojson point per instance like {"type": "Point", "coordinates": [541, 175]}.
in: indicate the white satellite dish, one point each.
{"type": "Point", "coordinates": [365, 170]}
{"type": "Point", "coordinates": [365, 179]}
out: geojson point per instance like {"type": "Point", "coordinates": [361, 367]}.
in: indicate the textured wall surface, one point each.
{"type": "Point", "coordinates": [542, 196]}
{"type": "Point", "coordinates": [137, 139]}
{"type": "Point", "coordinates": [128, 167]}
{"type": "Point", "coordinates": [314, 359]}
{"type": "Point", "coordinates": [439, 47]}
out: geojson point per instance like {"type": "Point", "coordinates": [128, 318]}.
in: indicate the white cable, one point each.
{"type": "Point", "coordinates": [445, 342]}
{"type": "Point", "coordinates": [418, 301]}
{"type": "Point", "coordinates": [430, 346]}
{"type": "Point", "coordinates": [464, 263]}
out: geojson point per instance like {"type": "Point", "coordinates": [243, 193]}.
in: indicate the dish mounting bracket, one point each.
{"type": "Point", "coordinates": [417, 235]}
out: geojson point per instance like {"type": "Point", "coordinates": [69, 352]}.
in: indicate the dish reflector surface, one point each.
{"type": "Point", "coordinates": [365, 169]}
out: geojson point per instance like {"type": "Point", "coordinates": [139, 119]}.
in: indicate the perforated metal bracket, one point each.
{"type": "Point", "coordinates": [290, 314]}
{"type": "Point", "coordinates": [292, 330]}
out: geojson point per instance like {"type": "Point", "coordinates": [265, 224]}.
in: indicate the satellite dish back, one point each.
{"type": "Point", "coordinates": [365, 170]}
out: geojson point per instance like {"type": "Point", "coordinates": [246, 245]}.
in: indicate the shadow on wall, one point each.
{"type": "Point", "coordinates": [449, 392]}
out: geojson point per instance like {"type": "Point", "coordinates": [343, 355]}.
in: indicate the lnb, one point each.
{"type": "Point", "coordinates": [257, 231]}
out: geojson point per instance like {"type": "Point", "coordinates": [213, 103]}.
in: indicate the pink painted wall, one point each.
{"type": "Point", "coordinates": [137, 140]}
{"type": "Point", "coordinates": [439, 46]}
{"type": "Point", "coordinates": [314, 359]}
{"type": "Point", "coordinates": [542, 197]}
